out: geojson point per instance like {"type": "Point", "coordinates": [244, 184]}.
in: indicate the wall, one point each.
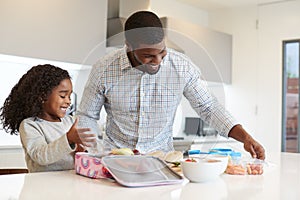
{"type": "Point", "coordinates": [241, 95]}
{"type": "Point", "coordinates": [177, 9]}
{"type": "Point", "coordinates": [55, 30]}
{"type": "Point", "coordinates": [129, 7]}
{"type": "Point", "coordinates": [256, 90]}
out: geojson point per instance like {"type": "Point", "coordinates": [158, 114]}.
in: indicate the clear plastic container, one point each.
{"type": "Point", "coordinates": [235, 158]}
{"type": "Point", "coordinates": [235, 165]}
{"type": "Point", "coordinates": [255, 166]}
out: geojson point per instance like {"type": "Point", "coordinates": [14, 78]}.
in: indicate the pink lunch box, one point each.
{"type": "Point", "coordinates": [90, 166]}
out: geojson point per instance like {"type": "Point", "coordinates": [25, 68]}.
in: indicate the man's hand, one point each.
{"type": "Point", "coordinates": [252, 146]}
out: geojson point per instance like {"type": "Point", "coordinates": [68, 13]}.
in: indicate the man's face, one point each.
{"type": "Point", "coordinates": [147, 58]}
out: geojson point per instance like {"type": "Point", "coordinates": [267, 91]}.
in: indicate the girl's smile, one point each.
{"type": "Point", "coordinates": [57, 103]}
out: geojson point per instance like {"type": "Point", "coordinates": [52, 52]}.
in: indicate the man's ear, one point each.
{"type": "Point", "coordinates": [129, 47]}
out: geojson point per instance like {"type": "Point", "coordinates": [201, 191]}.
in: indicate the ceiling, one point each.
{"type": "Point", "coordinates": [221, 4]}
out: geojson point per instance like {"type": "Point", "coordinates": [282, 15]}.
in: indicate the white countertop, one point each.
{"type": "Point", "coordinates": [281, 180]}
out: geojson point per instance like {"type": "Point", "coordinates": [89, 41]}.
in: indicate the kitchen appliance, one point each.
{"type": "Point", "coordinates": [196, 126]}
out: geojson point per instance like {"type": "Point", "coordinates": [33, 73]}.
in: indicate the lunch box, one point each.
{"type": "Point", "coordinates": [90, 166]}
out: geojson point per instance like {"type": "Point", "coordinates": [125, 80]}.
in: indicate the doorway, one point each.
{"type": "Point", "coordinates": [290, 101]}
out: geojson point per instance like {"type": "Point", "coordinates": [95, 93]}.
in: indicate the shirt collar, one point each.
{"type": "Point", "coordinates": [125, 62]}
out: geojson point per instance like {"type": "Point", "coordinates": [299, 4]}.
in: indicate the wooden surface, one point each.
{"type": "Point", "coordinates": [13, 171]}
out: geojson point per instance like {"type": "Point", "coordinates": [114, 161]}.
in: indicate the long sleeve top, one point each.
{"type": "Point", "coordinates": [141, 107]}
{"type": "Point", "coordinates": [46, 145]}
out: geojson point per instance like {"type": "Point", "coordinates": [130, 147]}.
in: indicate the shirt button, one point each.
{"type": "Point", "coordinates": [142, 94]}
{"type": "Point", "coordinates": [143, 113]}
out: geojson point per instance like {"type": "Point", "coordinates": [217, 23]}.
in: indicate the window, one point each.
{"type": "Point", "coordinates": [290, 101]}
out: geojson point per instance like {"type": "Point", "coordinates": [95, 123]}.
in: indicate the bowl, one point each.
{"type": "Point", "coordinates": [223, 158]}
{"type": "Point", "coordinates": [202, 170]}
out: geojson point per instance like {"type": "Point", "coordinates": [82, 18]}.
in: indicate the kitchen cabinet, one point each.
{"type": "Point", "coordinates": [210, 50]}
{"type": "Point", "coordinates": [12, 157]}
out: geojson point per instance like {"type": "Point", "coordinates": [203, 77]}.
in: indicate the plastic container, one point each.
{"type": "Point", "coordinates": [218, 151]}
{"type": "Point", "coordinates": [235, 165]}
{"type": "Point", "coordinates": [255, 166]}
{"type": "Point", "coordinates": [139, 171]}
{"type": "Point", "coordinates": [235, 158]}
{"type": "Point", "coordinates": [221, 151]}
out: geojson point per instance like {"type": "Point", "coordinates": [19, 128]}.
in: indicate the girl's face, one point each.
{"type": "Point", "coordinates": [58, 101]}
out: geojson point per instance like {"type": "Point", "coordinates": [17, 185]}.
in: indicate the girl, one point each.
{"type": "Point", "coordinates": [36, 108]}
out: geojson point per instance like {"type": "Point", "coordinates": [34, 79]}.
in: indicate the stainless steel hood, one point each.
{"type": "Point", "coordinates": [114, 34]}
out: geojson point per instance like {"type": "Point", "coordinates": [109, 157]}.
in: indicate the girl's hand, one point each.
{"type": "Point", "coordinates": [79, 136]}
{"type": "Point", "coordinates": [80, 148]}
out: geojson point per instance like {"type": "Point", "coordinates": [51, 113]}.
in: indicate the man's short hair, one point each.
{"type": "Point", "coordinates": [143, 27]}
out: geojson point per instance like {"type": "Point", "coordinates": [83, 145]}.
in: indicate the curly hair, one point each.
{"type": "Point", "coordinates": [143, 27]}
{"type": "Point", "coordinates": [27, 96]}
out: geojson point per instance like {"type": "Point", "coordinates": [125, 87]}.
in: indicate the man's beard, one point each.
{"type": "Point", "coordinates": [145, 67]}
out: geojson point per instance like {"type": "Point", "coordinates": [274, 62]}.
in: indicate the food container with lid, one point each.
{"type": "Point", "coordinates": [235, 165]}
{"type": "Point", "coordinates": [90, 166]}
{"type": "Point", "coordinates": [255, 166]}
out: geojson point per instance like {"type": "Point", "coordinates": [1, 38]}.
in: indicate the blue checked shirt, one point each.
{"type": "Point", "coordinates": [141, 107]}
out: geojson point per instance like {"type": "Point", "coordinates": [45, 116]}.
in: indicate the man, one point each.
{"type": "Point", "coordinates": [141, 86]}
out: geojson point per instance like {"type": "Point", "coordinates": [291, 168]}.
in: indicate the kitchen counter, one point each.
{"type": "Point", "coordinates": [281, 180]}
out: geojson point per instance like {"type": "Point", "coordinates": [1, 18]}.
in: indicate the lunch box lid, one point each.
{"type": "Point", "coordinates": [140, 170]}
